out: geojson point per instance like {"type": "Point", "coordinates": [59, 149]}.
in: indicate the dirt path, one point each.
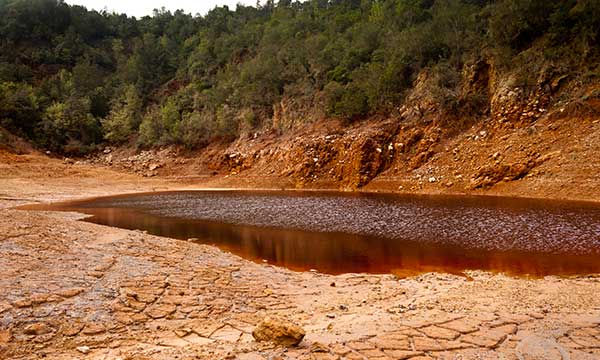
{"type": "Point", "coordinates": [77, 290]}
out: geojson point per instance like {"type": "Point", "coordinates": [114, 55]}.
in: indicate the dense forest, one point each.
{"type": "Point", "coordinates": [71, 79]}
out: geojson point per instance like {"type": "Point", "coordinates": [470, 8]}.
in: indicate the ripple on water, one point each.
{"type": "Point", "coordinates": [353, 232]}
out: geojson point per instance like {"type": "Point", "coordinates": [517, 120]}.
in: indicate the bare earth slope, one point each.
{"type": "Point", "coordinates": [553, 157]}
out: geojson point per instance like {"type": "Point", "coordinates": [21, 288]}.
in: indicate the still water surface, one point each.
{"type": "Point", "coordinates": [342, 232]}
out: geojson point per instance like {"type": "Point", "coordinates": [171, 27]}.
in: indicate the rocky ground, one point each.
{"type": "Point", "coordinates": [75, 290]}
{"type": "Point", "coordinates": [555, 156]}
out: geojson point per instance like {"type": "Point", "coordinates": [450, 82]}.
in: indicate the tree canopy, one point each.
{"type": "Point", "coordinates": [71, 78]}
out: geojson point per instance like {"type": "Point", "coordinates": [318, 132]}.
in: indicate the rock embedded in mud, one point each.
{"type": "Point", "coordinates": [278, 331]}
{"type": "Point", "coordinates": [84, 349]}
{"type": "Point", "coordinates": [37, 329]}
{"type": "Point", "coordinates": [22, 303]}
{"type": "Point", "coordinates": [69, 293]}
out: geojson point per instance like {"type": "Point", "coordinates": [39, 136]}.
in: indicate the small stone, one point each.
{"type": "Point", "coordinates": [37, 329]}
{"type": "Point", "coordinates": [23, 303]}
{"type": "Point", "coordinates": [96, 274]}
{"type": "Point", "coordinates": [318, 348]}
{"type": "Point", "coordinates": [84, 349]}
{"type": "Point", "coordinates": [278, 331]}
{"type": "Point", "coordinates": [39, 299]}
{"type": "Point", "coordinates": [72, 328]}
{"type": "Point", "coordinates": [94, 329]}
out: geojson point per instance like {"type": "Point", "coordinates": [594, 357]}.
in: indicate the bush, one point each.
{"type": "Point", "coordinates": [19, 109]}
{"type": "Point", "coordinates": [161, 126]}
{"type": "Point", "coordinates": [347, 102]}
{"type": "Point", "coordinates": [68, 122]}
{"type": "Point", "coordinates": [151, 128]}
{"type": "Point", "coordinates": [124, 116]}
{"type": "Point", "coordinates": [227, 123]}
{"type": "Point", "coordinates": [517, 23]}
{"type": "Point", "coordinates": [197, 129]}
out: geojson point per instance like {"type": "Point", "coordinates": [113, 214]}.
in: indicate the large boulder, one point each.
{"type": "Point", "coordinates": [278, 331]}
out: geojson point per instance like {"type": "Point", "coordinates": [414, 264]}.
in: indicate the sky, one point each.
{"type": "Point", "coordinates": [139, 8]}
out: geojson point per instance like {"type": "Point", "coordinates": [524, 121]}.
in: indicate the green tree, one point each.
{"type": "Point", "coordinates": [124, 117]}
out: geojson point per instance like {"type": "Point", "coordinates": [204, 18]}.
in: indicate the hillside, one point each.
{"type": "Point", "coordinates": [395, 95]}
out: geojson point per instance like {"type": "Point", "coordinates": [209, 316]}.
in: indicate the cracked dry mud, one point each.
{"type": "Point", "coordinates": [76, 290]}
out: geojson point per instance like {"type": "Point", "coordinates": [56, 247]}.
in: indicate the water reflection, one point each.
{"type": "Point", "coordinates": [443, 230]}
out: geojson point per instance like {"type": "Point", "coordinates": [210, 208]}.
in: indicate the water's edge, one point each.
{"type": "Point", "coordinates": [339, 232]}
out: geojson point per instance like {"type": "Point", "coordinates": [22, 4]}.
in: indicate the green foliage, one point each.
{"type": "Point", "coordinates": [151, 128]}
{"type": "Point", "coordinates": [161, 125]}
{"type": "Point", "coordinates": [346, 101]}
{"type": "Point", "coordinates": [19, 108]}
{"type": "Point", "coordinates": [71, 78]}
{"type": "Point", "coordinates": [68, 123]}
{"type": "Point", "coordinates": [124, 117]}
{"type": "Point", "coordinates": [226, 123]}
{"type": "Point", "coordinates": [197, 129]}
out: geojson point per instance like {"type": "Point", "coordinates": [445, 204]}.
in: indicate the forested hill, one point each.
{"type": "Point", "coordinates": [71, 79]}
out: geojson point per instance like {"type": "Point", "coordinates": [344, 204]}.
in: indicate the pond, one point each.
{"type": "Point", "coordinates": [335, 233]}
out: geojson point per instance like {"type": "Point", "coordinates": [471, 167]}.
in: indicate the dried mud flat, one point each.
{"type": "Point", "coordinates": [74, 290]}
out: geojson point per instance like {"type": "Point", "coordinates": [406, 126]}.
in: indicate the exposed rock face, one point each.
{"type": "Point", "coordinates": [490, 175]}
{"type": "Point", "coordinates": [278, 331]}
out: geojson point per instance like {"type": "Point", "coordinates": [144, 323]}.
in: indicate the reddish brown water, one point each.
{"type": "Point", "coordinates": [340, 232]}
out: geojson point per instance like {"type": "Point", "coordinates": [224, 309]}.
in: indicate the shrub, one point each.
{"type": "Point", "coordinates": [197, 129]}
{"type": "Point", "coordinates": [151, 128]}
{"type": "Point", "coordinates": [161, 125]}
{"type": "Point", "coordinates": [68, 122]}
{"type": "Point", "coordinates": [19, 109]}
{"type": "Point", "coordinates": [348, 101]}
{"type": "Point", "coordinates": [124, 116]}
{"type": "Point", "coordinates": [227, 124]}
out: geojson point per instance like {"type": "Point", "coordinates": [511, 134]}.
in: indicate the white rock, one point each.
{"type": "Point", "coordinates": [84, 349]}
